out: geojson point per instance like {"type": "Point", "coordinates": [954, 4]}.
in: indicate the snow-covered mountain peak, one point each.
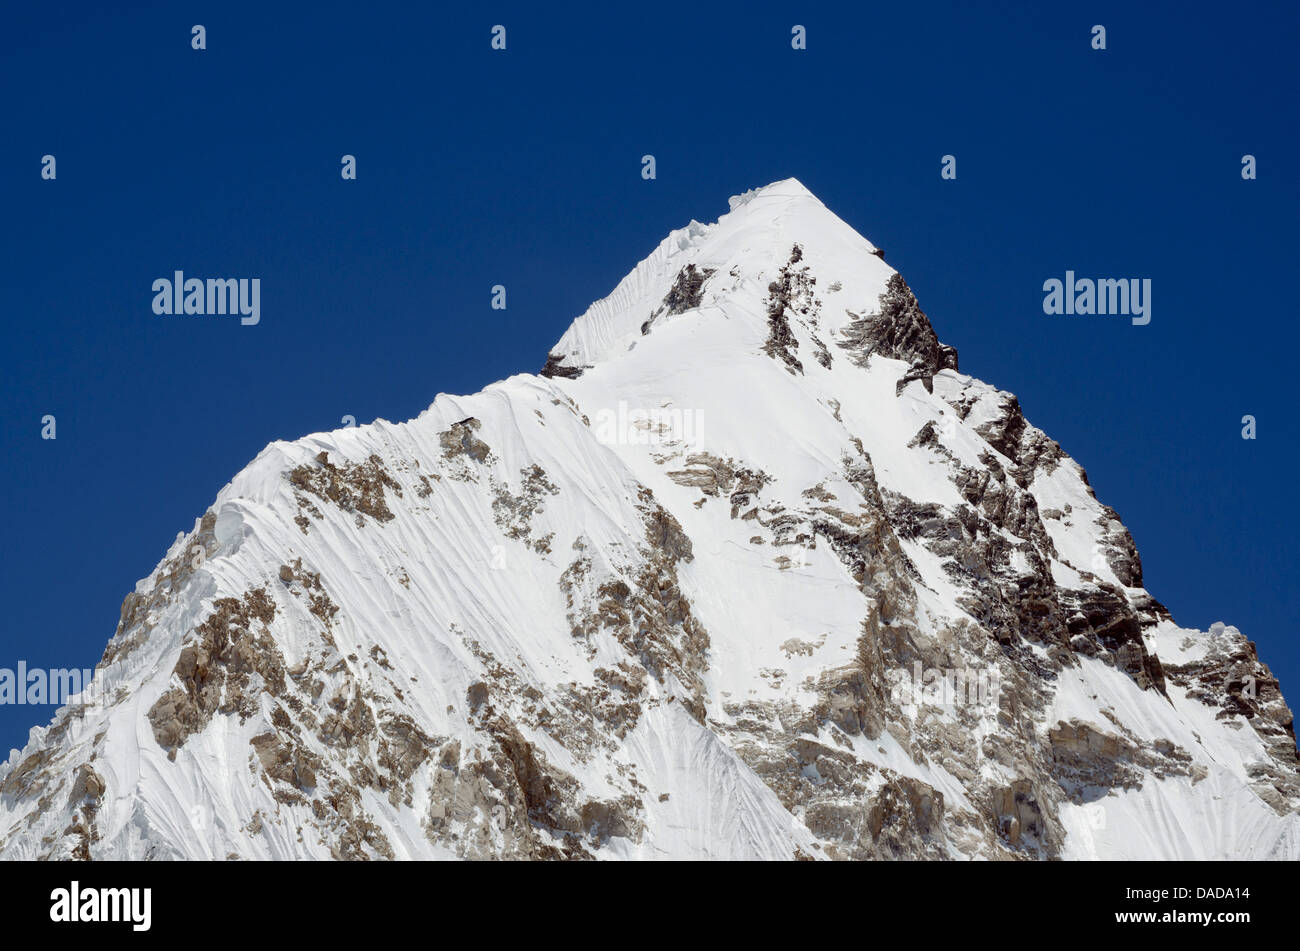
{"type": "Point", "coordinates": [722, 271]}
{"type": "Point", "coordinates": [751, 570]}
{"type": "Point", "coordinates": [785, 188]}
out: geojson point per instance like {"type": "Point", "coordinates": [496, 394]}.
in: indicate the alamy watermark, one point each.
{"type": "Point", "coordinates": [40, 686]}
{"type": "Point", "coordinates": [75, 904]}
{"type": "Point", "coordinates": [943, 687]}
{"type": "Point", "coordinates": [1084, 296]}
{"type": "Point", "coordinates": [216, 296]}
{"type": "Point", "coordinates": [632, 426]}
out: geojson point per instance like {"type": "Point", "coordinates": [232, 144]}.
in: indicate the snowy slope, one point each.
{"type": "Point", "coordinates": [667, 600]}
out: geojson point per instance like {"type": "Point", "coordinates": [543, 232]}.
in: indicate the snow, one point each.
{"type": "Point", "coordinates": [466, 580]}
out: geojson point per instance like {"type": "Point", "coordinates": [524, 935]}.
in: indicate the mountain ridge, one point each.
{"type": "Point", "coordinates": [498, 630]}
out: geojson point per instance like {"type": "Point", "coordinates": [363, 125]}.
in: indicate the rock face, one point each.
{"type": "Point", "coordinates": [860, 609]}
{"type": "Point", "coordinates": [899, 330]}
{"type": "Point", "coordinates": [686, 294]}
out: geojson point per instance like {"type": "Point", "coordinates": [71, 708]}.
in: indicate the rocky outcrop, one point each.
{"type": "Point", "coordinates": [1229, 677]}
{"type": "Point", "coordinates": [1021, 822]}
{"type": "Point", "coordinates": [214, 670]}
{"type": "Point", "coordinates": [355, 487]}
{"type": "Point", "coordinates": [790, 294]}
{"type": "Point", "coordinates": [898, 329]}
{"type": "Point", "coordinates": [555, 367]}
{"type": "Point", "coordinates": [686, 294]}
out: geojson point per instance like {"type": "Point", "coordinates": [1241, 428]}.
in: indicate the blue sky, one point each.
{"type": "Point", "coordinates": [523, 168]}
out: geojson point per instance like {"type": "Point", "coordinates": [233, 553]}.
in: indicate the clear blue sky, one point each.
{"type": "Point", "coordinates": [523, 168]}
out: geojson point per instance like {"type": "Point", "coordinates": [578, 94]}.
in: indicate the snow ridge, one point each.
{"type": "Point", "coordinates": [694, 591]}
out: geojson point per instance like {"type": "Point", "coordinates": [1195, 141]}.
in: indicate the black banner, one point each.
{"type": "Point", "coordinates": [1228, 901]}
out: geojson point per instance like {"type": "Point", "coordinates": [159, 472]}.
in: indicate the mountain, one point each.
{"type": "Point", "coordinates": [751, 570]}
